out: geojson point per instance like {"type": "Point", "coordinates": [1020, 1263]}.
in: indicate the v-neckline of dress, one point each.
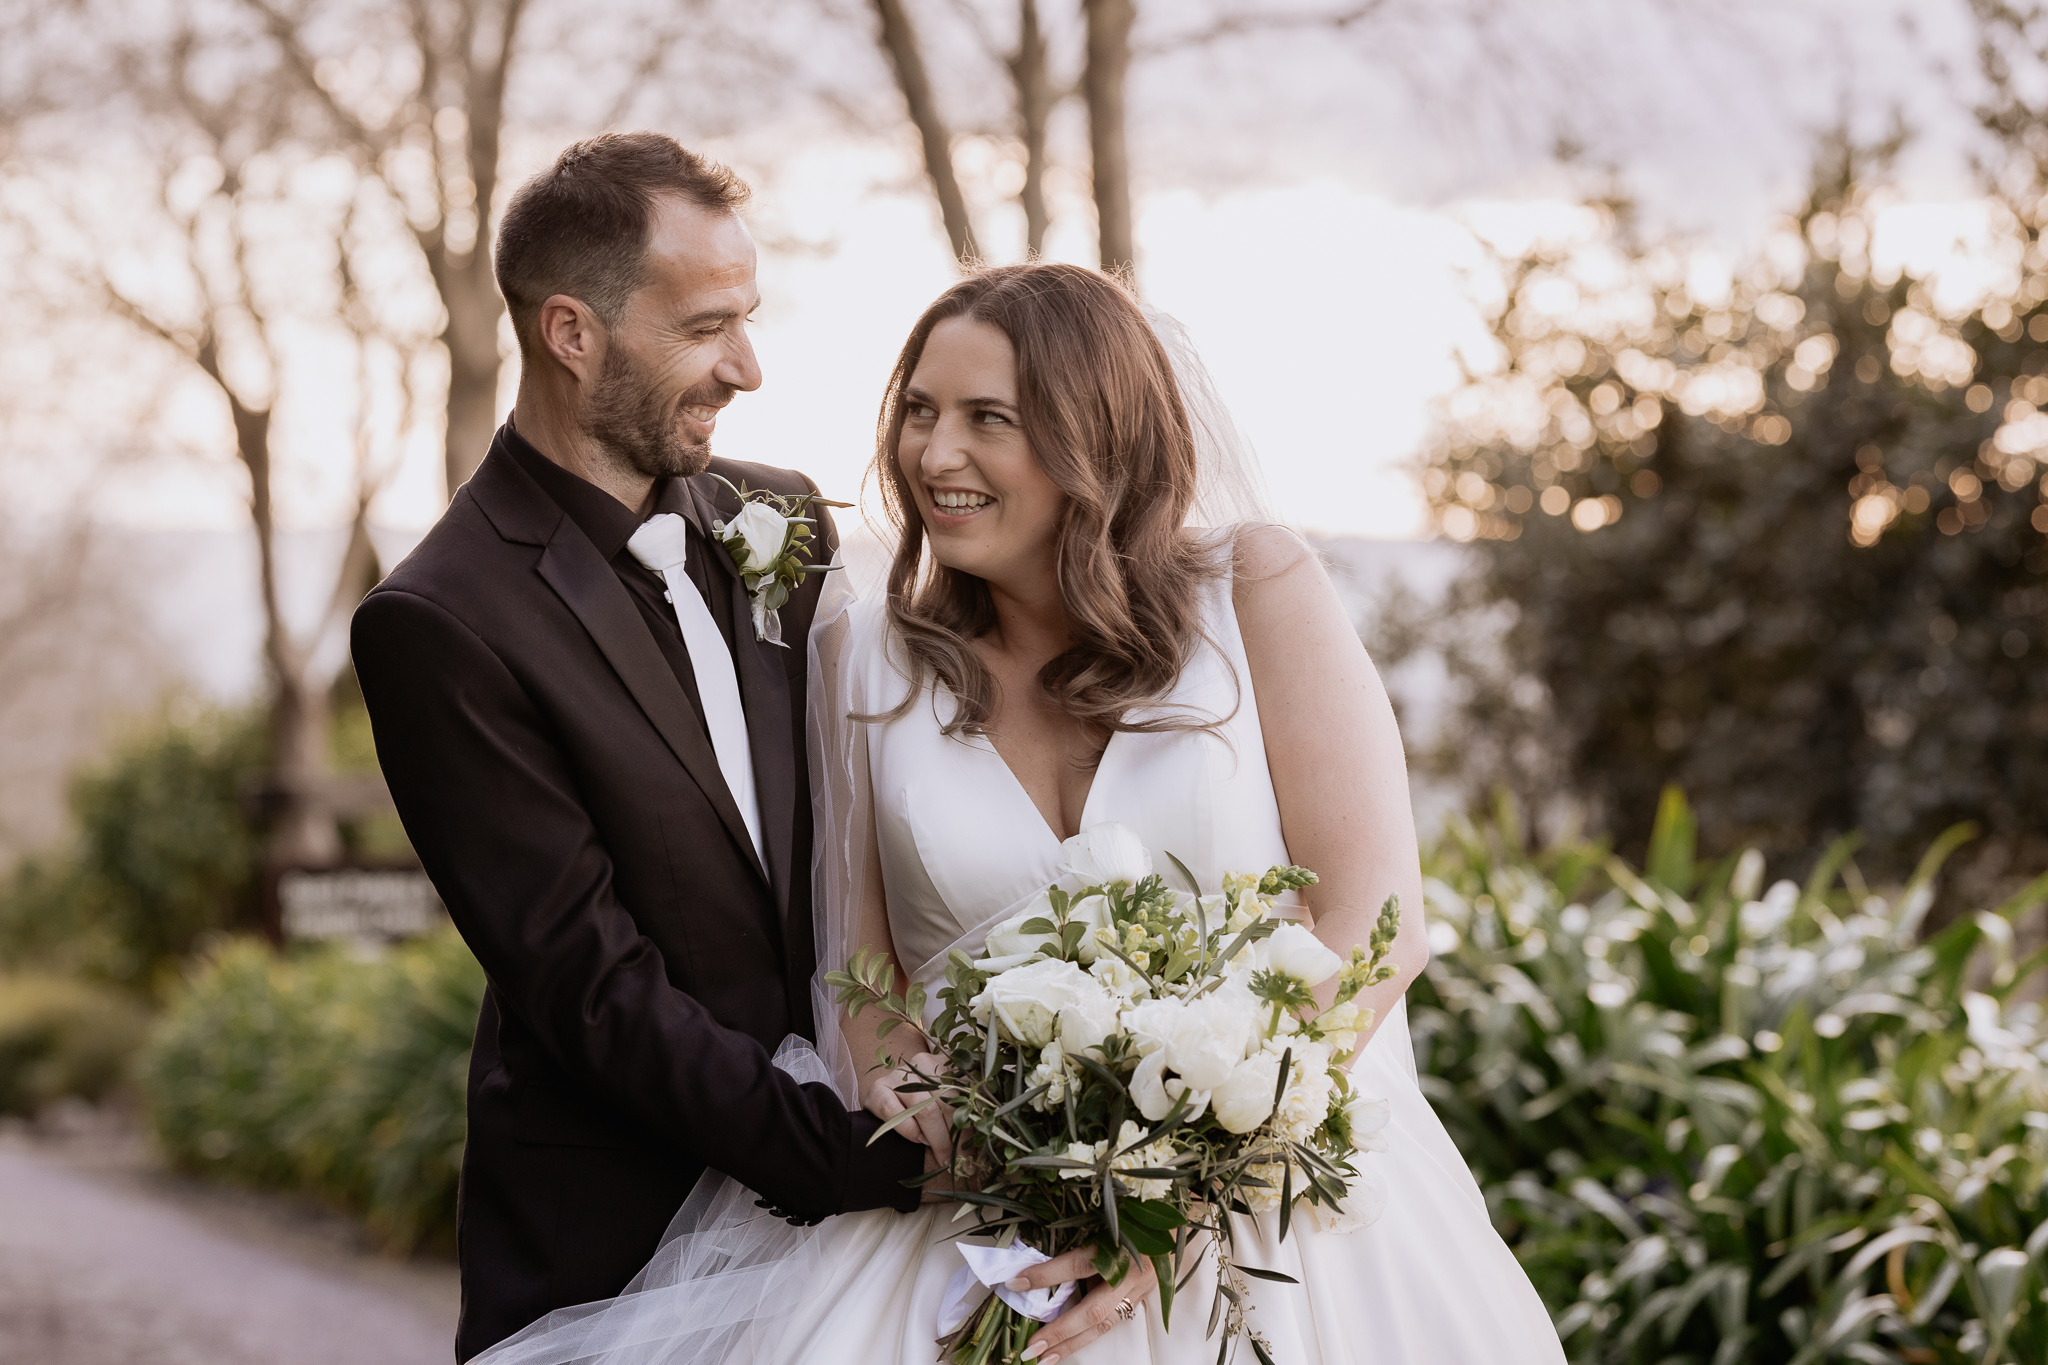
{"type": "Point", "coordinates": [1024, 793]}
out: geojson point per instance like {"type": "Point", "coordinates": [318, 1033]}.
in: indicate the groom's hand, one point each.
{"type": "Point", "coordinates": [1104, 1307]}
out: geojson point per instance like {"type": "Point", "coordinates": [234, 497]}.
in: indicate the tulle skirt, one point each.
{"type": "Point", "coordinates": [1429, 1283]}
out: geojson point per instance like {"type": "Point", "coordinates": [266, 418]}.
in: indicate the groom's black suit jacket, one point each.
{"type": "Point", "coordinates": [544, 745]}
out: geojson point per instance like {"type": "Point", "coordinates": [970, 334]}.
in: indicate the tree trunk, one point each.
{"type": "Point", "coordinates": [1109, 62]}
{"type": "Point", "coordinates": [469, 296]}
{"type": "Point", "coordinates": [301, 832]}
{"type": "Point", "coordinates": [899, 40]}
{"type": "Point", "coordinates": [469, 291]}
{"type": "Point", "coordinates": [1034, 111]}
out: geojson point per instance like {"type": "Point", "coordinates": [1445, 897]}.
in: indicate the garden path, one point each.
{"type": "Point", "coordinates": [103, 1262]}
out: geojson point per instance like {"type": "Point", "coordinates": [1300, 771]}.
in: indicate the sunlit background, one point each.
{"type": "Point", "coordinates": [1665, 383]}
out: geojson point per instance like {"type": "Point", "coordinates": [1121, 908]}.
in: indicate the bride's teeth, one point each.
{"type": "Point", "coordinates": [962, 499]}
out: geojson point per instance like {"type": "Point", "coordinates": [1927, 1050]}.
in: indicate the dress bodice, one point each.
{"type": "Point", "coordinates": [962, 843]}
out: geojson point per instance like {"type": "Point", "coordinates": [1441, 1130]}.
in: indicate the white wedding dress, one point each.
{"type": "Point", "coordinates": [961, 844]}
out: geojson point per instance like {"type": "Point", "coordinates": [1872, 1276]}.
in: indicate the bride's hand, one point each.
{"type": "Point", "coordinates": [1105, 1307]}
{"type": "Point", "coordinates": [933, 1127]}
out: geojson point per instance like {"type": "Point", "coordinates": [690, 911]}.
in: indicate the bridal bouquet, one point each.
{"type": "Point", "coordinates": [1125, 1063]}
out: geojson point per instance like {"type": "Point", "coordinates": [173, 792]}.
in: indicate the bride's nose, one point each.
{"type": "Point", "coordinates": [945, 452]}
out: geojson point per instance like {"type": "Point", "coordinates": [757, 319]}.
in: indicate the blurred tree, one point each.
{"type": "Point", "coordinates": [1775, 538]}
{"type": "Point", "coordinates": [211, 262]}
{"type": "Point", "coordinates": [417, 95]}
{"type": "Point", "coordinates": [898, 36]}
{"type": "Point", "coordinates": [434, 143]}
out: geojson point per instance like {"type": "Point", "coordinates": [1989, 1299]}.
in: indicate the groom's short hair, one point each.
{"type": "Point", "coordinates": [580, 227]}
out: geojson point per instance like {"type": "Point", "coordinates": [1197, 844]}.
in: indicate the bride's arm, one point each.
{"type": "Point", "coordinates": [878, 1094]}
{"type": "Point", "coordinates": [1335, 753]}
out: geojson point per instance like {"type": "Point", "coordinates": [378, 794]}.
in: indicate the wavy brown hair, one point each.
{"type": "Point", "coordinates": [1099, 406]}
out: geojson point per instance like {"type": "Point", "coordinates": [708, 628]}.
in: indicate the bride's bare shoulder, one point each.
{"type": "Point", "coordinates": [1263, 551]}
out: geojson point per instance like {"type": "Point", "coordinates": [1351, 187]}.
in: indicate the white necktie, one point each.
{"type": "Point", "coordinates": [662, 544]}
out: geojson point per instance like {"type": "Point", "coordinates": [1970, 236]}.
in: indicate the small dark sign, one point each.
{"type": "Point", "coordinates": [357, 903]}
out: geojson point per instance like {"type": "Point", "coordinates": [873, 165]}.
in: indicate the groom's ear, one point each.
{"type": "Point", "coordinates": [570, 333]}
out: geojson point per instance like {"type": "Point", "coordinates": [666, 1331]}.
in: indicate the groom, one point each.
{"type": "Point", "coordinates": [600, 766]}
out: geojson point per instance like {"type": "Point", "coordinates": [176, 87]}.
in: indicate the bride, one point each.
{"type": "Point", "coordinates": [1088, 620]}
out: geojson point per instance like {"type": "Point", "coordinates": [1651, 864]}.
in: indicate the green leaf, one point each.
{"type": "Point", "coordinates": [902, 1118]}
{"type": "Point", "coordinates": [1259, 1274]}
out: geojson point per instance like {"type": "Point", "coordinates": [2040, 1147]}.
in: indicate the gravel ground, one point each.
{"type": "Point", "coordinates": [105, 1262]}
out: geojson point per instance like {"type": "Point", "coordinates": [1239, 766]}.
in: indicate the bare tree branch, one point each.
{"type": "Point", "coordinates": [899, 39]}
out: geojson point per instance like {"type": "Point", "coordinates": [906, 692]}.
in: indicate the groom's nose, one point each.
{"type": "Point", "coordinates": [737, 368]}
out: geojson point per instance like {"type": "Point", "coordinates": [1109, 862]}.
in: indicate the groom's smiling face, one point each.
{"type": "Point", "coordinates": [679, 350]}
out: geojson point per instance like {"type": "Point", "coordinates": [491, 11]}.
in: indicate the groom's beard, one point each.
{"type": "Point", "coordinates": [630, 419]}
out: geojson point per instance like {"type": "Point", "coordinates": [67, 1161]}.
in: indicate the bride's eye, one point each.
{"type": "Point", "coordinates": [919, 411]}
{"type": "Point", "coordinates": [991, 416]}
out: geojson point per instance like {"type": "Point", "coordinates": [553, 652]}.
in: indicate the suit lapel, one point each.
{"type": "Point", "coordinates": [764, 695]}
{"type": "Point", "coordinates": [572, 567]}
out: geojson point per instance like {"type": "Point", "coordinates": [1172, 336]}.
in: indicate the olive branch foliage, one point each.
{"type": "Point", "coordinates": [1010, 1165]}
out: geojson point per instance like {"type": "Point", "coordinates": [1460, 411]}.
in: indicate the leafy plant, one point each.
{"type": "Point", "coordinates": [1726, 1123]}
{"type": "Point", "coordinates": [327, 1073]}
{"type": "Point", "coordinates": [61, 1037]}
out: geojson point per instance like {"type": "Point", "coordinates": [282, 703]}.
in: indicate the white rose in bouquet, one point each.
{"type": "Point", "coordinates": [1245, 1099]}
{"type": "Point", "coordinates": [1369, 1118]}
{"type": "Point", "coordinates": [764, 532]}
{"type": "Point", "coordinates": [1088, 1019]}
{"type": "Point", "coordinates": [1008, 945]}
{"type": "Point", "coordinates": [1030, 1000]}
{"type": "Point", "coordinates": [1297, 952]}
{"type": "Point", "coordinates": [1106, 853]}
{"type": "Point", "coordinates": [1203, 1039]}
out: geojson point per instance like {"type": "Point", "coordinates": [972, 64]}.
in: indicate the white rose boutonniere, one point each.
{"type": "Point", "coordinates": [769, 540]}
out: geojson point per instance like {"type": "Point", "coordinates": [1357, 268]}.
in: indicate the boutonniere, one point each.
{"type": "Point", "coordinates": [770, 541]}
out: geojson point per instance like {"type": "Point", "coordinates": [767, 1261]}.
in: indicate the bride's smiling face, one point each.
{"type": "Point", "coordinates": [988, 507]}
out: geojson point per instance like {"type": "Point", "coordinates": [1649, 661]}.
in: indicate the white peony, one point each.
{"type": "Point", "coordinates": [1245, 1098]}
{"type": "Point", "coordinates": [1106, 853]}
{"type": "Point", "coordinates": [763, 531]}
{"type": "Point", "coordinates": [1030, 1001]}
{"type": "Point", "coordinates": [1203, 1039]}
{"type": "Point", "coordinates": [1364, 1201]}
{"type": "Point", "coordinates": [1297, 952]}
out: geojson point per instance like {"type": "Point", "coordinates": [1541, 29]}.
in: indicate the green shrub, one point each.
{"type": "Point", "coordinates": [324, 1072]}
{"type": "Point", "coordinates": [61, 1037]}
{"type": "Point", "coordinates": [1721, 1123]}
{"type": "Point", "coordinates": [163, 857]}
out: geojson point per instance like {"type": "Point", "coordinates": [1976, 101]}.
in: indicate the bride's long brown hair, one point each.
{"type": "Point", "coordinates": [1104, 418]}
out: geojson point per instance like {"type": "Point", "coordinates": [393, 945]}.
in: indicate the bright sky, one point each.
{"type": "Point", "coordinates": [1329, 298]}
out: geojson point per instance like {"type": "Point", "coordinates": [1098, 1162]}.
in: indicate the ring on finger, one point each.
{"type": "Point", "coordinates": [1126, 1310]}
